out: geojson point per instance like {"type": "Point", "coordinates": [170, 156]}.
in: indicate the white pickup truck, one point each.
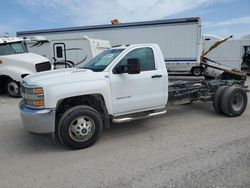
{"type": "Point", "coordinates": [16, 63]}
{"type": "Point", "coordinates": [120, 84]}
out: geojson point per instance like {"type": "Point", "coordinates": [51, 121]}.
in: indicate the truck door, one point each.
{"type": "Point", "coordinates": [59, 52]}
{"type": "Point", "coordinates": [135, 92]}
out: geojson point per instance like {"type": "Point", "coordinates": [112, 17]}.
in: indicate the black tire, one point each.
{"type": "Point", "coordinates": [234, 101]}
{"type": "Point", "coordinates": [197, 71]}
{"type": "Point", "coordinates": [70, 122]}
{"type": "Point", "coordinates": [217, 99]}
{"type": "Point", "coordinates": [12, 88]}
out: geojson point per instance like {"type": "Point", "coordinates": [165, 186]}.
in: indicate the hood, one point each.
{"type": "Point", "coordinates": [29, 58]}
{"type": "Point", "coordinates": [63, 76]}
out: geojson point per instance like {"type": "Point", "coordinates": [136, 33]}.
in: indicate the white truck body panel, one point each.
{"type": "Point", "coordinates": [179, 39]}
{"type": "Point", "coordinates": [75, 50]}
{"type": "Point", "coordinates": [130, 93]}
{"type": "Point", "coordinates": [16, 65]}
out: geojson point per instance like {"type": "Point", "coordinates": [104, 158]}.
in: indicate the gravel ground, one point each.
{"type": "Point", "coordinates": [190, 146]}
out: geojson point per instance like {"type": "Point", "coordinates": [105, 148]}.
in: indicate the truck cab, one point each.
{"type": "Point", "coordinates": [16, 63]}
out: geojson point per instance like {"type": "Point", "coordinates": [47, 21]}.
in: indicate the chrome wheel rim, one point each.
{"type": "Point", "coordinates": [13, 88]}
{"type": "Point", "coordinates": [238, 102]}
{"type": "Point", "coordinates": [81, 128]}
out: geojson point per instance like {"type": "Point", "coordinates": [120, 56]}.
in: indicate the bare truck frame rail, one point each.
{"type": "Point", "coordinates": [227, 95]}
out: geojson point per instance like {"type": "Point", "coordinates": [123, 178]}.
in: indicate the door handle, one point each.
{"type": "Point", "coordinates": [156, 76]}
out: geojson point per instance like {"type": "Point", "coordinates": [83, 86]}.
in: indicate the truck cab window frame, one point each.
{"type": "Point", "coordinates": [13, 48]}
{"type": "Point", "coordinates": [145, 56]}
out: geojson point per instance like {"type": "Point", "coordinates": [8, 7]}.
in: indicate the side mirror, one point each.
{"type": "Point", "coordinates": [133, 66]}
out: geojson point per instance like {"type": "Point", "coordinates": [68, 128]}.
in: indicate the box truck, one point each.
{"type": "Point", "coordinates": [179, 39]}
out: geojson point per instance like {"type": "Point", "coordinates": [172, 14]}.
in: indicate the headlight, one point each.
{"type": "Point", "coordinates": [33, 96]}
{"type": "Point", "coordinates": [34, 103]}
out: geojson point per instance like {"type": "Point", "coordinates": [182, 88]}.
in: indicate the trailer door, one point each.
{"type": "Point", "coordinates": [59, 52]}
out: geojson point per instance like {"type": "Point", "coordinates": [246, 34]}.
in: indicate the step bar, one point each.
{"type": "Point", "coordinates": [128, 119]}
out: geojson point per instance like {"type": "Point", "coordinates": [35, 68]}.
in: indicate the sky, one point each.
{"type": "Point", "coordinates": [219, 17]}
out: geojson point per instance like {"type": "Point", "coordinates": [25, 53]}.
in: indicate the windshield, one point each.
{"type": "Point", "coordinates": [101, 61]}
{"type": "Point", "coordinates": [13, 48]}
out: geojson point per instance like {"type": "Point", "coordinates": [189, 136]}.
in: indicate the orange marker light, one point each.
{"type": "Point", "coordinates": [39, 102]}
{"type": "Point", "coordinates": [38, 91]}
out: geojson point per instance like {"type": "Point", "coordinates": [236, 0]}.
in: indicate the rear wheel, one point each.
{"type": "Point", "coordinates": [13, 88]}
{"type": "Point", "coordinates": [197, 71]}
{"type": "Point", "coordinates": [217, 99]}
{"type": "Point", "coordinates": [234, 101]}
{"type": "Point", "coordinates": [80, 127]}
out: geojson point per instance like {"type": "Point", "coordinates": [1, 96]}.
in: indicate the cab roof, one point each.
{"type": "Point", "coordinates": [10, 40]}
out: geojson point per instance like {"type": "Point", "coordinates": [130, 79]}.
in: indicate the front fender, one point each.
{"type": "Point", "coordinates": [14, 72]}
{"type": "Point", "coordinates": [55, 93]}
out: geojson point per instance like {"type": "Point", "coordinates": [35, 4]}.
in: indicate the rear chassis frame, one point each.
{"type": "Point", "coordinates": [199, 90]}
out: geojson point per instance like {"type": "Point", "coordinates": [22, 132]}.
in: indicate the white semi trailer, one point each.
{"type": "Point", "coordinates": [66, 52]}
{"type": "Point", "coordinates": [179, 39]}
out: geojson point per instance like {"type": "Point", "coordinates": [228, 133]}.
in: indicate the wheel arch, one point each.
{"type": "Point", "coordinates": [3, 80]}
{"type": "Point", "coordinates": [95, 101]}
{"type": "Point", "coordinates": [15, 73]}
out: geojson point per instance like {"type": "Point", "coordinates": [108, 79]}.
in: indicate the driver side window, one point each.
{"type": "Point", "coordinates": [145, 57]}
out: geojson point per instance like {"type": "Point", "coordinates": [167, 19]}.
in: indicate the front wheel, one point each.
{"type": "Point", "coordinates": [80, 127]}
{"type": "Point", "coordinates": [13, 88]}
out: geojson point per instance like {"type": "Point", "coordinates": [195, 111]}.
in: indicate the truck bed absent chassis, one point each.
{"type": "Point", "coordinates": [198, 90]}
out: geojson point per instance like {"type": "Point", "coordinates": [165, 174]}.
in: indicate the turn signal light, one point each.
{"type": "Point", "coordinates": [39, 102]}
{"type": "Point", "coordinates": [38, 90]}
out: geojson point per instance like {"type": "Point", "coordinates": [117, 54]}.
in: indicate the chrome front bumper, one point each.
{"type": "Point", "coordinates": [37, 120]}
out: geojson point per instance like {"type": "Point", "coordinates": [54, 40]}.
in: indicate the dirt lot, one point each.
{"type": "Point", "coordinates": [190, 146]}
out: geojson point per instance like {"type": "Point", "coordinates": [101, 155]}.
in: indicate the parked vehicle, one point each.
{"type": "Point", "coordinates": [245, 66]}
{"type": "Point", "coordinates": [232, 53]}
{"type": "Point", "coordinates": [16, 63]}
{"type": "Point", "coordinates": [67, 52]}
{"type": "Point", "coordinates": [179, 39]}
{"type": "Point", "coordinates": [118, 85]}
